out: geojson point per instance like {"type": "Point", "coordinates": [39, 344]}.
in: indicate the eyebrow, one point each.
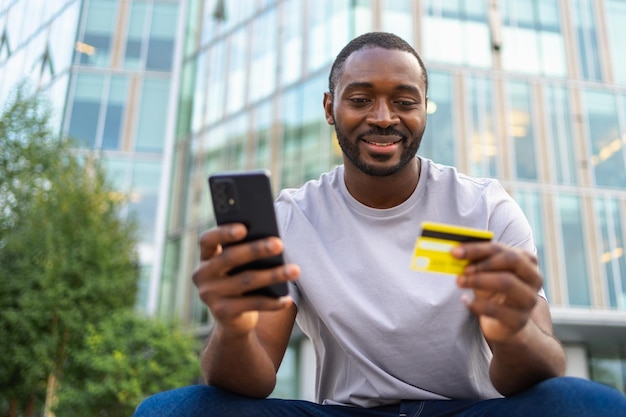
{"type": "Point", "coordinates": [401, 87]}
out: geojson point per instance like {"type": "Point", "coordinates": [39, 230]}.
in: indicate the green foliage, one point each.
{"type": "Point", "coordinates": [123, 359]}
{"type": "Point", "coordinates": [67, 260]}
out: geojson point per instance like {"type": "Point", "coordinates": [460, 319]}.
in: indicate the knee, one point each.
{"type": "Point", "coordinates": [178, 402]}
{"type": "Point", "coordinates": [578, 393]}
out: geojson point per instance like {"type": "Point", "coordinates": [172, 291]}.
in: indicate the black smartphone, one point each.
{"type": "Point", "coordinates": [246, 197]}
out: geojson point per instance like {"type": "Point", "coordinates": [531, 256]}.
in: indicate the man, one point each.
{"type": "Point", "coordinates": [389, 341]}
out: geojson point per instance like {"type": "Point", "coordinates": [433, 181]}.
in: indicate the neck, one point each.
{"type": "Point", "coordinates": [382, 192]}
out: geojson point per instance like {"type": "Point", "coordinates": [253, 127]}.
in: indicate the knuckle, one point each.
{"type": "Point", "coordinates": [220, 310]}
{"type": "Point", "coordinates": [246, 278]}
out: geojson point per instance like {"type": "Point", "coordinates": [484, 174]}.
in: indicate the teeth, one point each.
{"type": "Point", "coordinates": [381, 144]}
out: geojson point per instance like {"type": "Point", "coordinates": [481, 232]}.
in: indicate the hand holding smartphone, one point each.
{"type": "Point", "coordinates": [246, 197]}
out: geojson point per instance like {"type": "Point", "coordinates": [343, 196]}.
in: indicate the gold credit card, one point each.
{"type": "Point", "coordinates": [432, 248]}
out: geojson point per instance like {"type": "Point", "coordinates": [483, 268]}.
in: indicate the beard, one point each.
{"type": "Point", "coordinates": [352, 151]}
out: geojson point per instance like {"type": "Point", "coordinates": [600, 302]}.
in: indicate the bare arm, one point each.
{"type": "Point", "coordinates": [247, 363]}
{"type": "Point", "coordinates": [513, 318]}
{"type": "Point", "coordinates": [532, 356]}
{"type": "Point", "coordinates": [251, 333]}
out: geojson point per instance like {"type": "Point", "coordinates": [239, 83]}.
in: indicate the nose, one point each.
{"type": "Point", "coordinates": [382, 114]}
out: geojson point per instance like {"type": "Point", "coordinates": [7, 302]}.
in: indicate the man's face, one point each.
{"type": "Point", "coordinates": [379, 110]}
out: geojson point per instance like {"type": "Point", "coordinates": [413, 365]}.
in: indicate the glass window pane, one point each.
{"type": "Point", "coordinates": [162, 32]}
{"type": "Point", "coordinates": [530, 202]}
{"type": "Point", "coordinates": [586, 40]}
{"type": "Point", "coordinates": [574, 254]}
{"type": "Point", "coordinates": [215, 86]}
{"type": "Point", "coordinates": [263, 51]}
{"type": "Point", "coordinates": [135, 36]}
{"type": "Point", "coordinates": [456, 32]}
{"type": "Point", "coordinates": [532, 39]}
{"type": "Point", "coordinates": [607, 142]}
{"type": "Point", "coordinates": [291, 42]}
{"type": "Point", "coordinates": [398, 18]}
{"type": "Point", "coordinates": [559, 130]}
{"type": "Point", "coordinates": [482, 147]}
{"type": "Point", "coordinates": [608, 365]}
{"type": "Point", "coordinates": [100, 21]}
{"type": "Point", "coordinates": [521, 131]}
{"type": "Point", "coordinates": [616, 30]}
{"type": "Point", "coordinates": [152, 115]}
{"type": "Point", "coordinates": [86, 109]}
{"type": "Point", "coordinates": [115, 113]}
{"type": "Point", "coordinates": [438, 141]}
{"type": "Point", "coordinates": [144, 197]}
{"type": "Point", "coordinates": [612, 256]}
{"type": "Point", "coordinates": [237, 72]}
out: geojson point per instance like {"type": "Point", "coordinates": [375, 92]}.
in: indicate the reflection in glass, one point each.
{"type": "Point", "coordinates": [616, 30]}
{"type": "Point", "coordinates": [612, 250]}
{"type": "Point", "coordinates": [398, 18]}
{"type": "Point", "coordinates": [573, 254]}
{"type": "Point", "coordinates": [171, 271]}
{"type": "Point", "coordinates": [114, 116]}
{"type": "Point", "coordinates": [215, 92]}
{"type": "Point", "coordinates": [135, 35]}
{"type": "Point", "coordinates": [608, 365]}
{"type": "Point", "coordinates": [583, 21]}
{"type": "Point", "coordinates": [530, 203]}
{"type": "Point", "coordinates": [532, 41]}
{"type": "Point", "coordinates": [161, 41]}
{"type": "Point", "coordinates": [291, 42]}
{"type": "Point", "coordinates": [262, 153]}
{"type": "Point", "coordinates": [237, 52]}
{"type": "Point", "coordinates": [481, 127]}
{"type": "Point", "coordinates": [456, 32]}
{"type": "Point", "coordinates": [606, 137]}
{"type": "Point", "coordinates": [144, 196]}
{"type": "Point", "coordinates": [94, 47]}
{"type": "Point", "coordinates": [150, 134]}
{"type": "Point", "coordinates": [438, 141]}
{"type": "Point", "coordinates": [86, 109]}
{"type": "Point", "coordinates": [521, 131]}
{"type": "Point", "coordinates": [263, 56]}
{"type": "Point", "coordinates": [562, 162]}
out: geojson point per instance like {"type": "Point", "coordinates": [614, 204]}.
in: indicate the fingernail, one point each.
{"type": "Point", "coordinates": [462, 280]}
{"type": "Point", "coordinates": [467, 298]}
{"type": "Point", "coordinates": [458, 252]}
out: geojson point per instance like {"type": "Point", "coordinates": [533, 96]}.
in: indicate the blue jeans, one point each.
{"type": "Point", "coordinates": [556, 397]}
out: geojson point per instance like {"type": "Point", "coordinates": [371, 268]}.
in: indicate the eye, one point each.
{"type": "Point", "coordinates": [358, 100]}
{"type": "Point", "coordinates": [407, 103]}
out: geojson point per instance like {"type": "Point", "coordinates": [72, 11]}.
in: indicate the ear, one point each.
{"type": "Point", "coordinates": [328, 108]}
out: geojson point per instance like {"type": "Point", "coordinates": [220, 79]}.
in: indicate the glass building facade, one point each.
{"type": "Point", "coordinates": [530, 92]}
{"type": "Point", "coordinates": [108, 69]}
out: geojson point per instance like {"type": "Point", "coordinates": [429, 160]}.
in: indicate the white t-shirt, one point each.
{"type": "Point", "coordinates": [383, 332]}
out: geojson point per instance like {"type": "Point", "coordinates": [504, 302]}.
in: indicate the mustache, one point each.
{"type": "Point", "coordinates": [383, 131]}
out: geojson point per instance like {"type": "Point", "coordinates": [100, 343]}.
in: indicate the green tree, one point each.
{"type": "Point", "coordinates": [66, 257]}
{"type": "Point", "coordinates": [124, 358]}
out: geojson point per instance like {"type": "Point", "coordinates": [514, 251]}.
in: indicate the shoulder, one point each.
{"type": "Point", "coordinates": [310, 197]}
{"type": "Point", "coordinates": [448, 178]}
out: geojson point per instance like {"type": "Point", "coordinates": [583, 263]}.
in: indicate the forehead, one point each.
{"type": "Point", "coordinates": [379, 64]}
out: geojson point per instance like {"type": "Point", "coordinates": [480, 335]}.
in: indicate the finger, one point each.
{"type": "Point", "coordinates": [241, 254]}
{"type": "Point", "coordinates": [240, 284]}
{"type": "Point", "coordinates": [211, 240]}
{"type": "Point", "coordinates": [485, 257]}
{"type": "Point", "coordinates": [516, 292]}
{"type": "Point", "coordinates": [231, 308]}
{"type": "Point", "coordinates": [507, 316]}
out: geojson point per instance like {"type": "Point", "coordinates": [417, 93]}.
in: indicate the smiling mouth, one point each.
{"type": "Point", "coordinates": [382, 144]}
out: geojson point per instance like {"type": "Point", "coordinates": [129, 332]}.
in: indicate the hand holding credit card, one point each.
{"type": "Point", "coordinates": [433, 246]}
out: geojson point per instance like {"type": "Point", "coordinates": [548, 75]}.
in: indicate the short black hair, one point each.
{"type": "Point", "coordinates": [371, 40]}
